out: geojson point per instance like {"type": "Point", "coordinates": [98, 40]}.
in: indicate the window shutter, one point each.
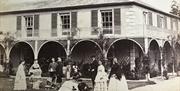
{"type": "Point", "coordinates": [73, 22]}
{"type": "Point", "coordinates": [18, 26]}
{"type": "Point", "coordinates": [171, 24]}
{"type": "Point", "coordinates": [94, 21]}
{"type": "Point", "coordinates": [165, 22]}
{"type": "Point", "coordinates": [158, 21]}
{"type": "Point", "coordinates": [54, 21]}
{"type": "Point", "coordinates": [117, 21]}
{"type": "Point", "coordinates": [94, 18]}
{"type": "Point", "coordinates": [54, 24]}
{"type": "Point", "coordinates": [150, 18]}
{"type": "Point", "coordinates": [36, 22]}
{"type": "Point", "coordinates": [36, 25]}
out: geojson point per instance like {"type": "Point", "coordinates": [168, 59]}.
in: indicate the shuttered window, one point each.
{"type": "Point", "coordinates": [36, 25]}
{"type": "Point", "coordinates": [54, 24]}
{"type": "Point", "coordinates": [54, 21]}
{"type": "Point", "coordinates": [117, 21]}
{"type": "Point", "coordinates": [73, 19]}
{"type": "Point", "coordinates": [94, 18]}
{"type": "Point", "coordinates": [176, 22]}
{"type": "Point", "coordinates": [73, 23]}
{"type": "Point", "coordinates": [29, 24]}
{"type": "Point", "coordinates": [165, 22]}
{"type": "Point", "coordinates": [158, 21]}
{"type": "Point", "coordinates": [107, 21]}
{"type": "Point", "coordinates": [36, 22]}
{"type": "Point", "coordinates": [94, 22]}
{"type": "Point", "coordinates": [18, 26]}
{"type": "Point", "coordinates": [171, 23]}
{"type": "Point", "coordinates": [150, 18]}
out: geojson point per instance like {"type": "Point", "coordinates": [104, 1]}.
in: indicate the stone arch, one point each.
{"type": "Point", "coordinates": [21, 51]}
{"type": "Point", "coordinates": [155, 59]}
{"type": "Point", "coordinates": [82, 52]}
{"type": "Point", "coordinates": [2, 54]}
{"type": "Point", "coordinates": [177, 56]}
{"type": "Point", "coordinates": [49, 50]}
{"type": "Point", "coordinates": [129, 54]}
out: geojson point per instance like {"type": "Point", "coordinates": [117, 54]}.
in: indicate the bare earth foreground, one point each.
{"type": "Point", "coordinates": [167, 85]}
{"type": "Point", "coordinates": [173, 84]}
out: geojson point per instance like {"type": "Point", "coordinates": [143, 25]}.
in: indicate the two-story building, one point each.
{"type": "Point", "coordinates": [79, 29]}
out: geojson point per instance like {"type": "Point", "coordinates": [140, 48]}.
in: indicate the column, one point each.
{"type": "Point", "coordinates": [161, 59]}
{"type": "Point", "coordinates": [132, 58]}
{"type": "Point", "coordinates": [146, 45]}
{"type": "Point", "coordinates": [36, 50]}
{"type": "Point", "coordinates": [68, 48]}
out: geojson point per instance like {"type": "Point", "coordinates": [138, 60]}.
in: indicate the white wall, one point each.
{"type": "Point", "coordinates": [132, 24]}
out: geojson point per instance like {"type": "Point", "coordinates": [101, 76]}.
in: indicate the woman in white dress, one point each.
{"type": "Point", "coordinates": [101, 78]}
{"type": "Point", "coordinates": [117, 79]}
{"type": "Point", "coordinates": [35, 72]}
{"type": "Point", "coordinates": [20, 79]}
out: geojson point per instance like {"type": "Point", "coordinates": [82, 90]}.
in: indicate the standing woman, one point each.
{"type": "Point", "coordinates": [35, 72]}
{"type": "Point", "coordinates": [20, 79]}
{"type": "Point", "coordinates": [117, 79]}
{"type": "Point", "coordinates": [101, 78]}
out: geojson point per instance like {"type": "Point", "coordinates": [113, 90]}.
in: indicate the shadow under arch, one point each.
{"type": "Point", "coordinates": [82, 52]}
{"type": "Point", "coordinates": [2, 54]}
{"type": "Point", "coordinates": [155, 58]}
{"type": "Point", "coordinates": [20, 51]}
{"type": "Point", "coordinates": [49, 50]}
{"type": "Point", "coordinates": [129, 54]}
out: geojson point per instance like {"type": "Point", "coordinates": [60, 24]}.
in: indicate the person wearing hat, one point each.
{"type": "Point", "coordinates": [35, 72]}
{"type": "Point", "coordinates": [59, 72]}
{"type": "Point", "coordinates": [94, 67]}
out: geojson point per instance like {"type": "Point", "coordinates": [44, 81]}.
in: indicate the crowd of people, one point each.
{"type": "Point", "coordinates": [114, 80]}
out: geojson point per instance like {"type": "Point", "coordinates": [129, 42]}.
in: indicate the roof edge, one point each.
{"type": "Point", "coordinates": [88, 6]}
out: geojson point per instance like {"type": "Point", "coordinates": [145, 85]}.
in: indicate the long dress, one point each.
{"type": "Point", "coordinates": [35, 72]}
{"type": "Point", "coordinates": [69, 86]}
{"type": "Point", "coordinates": [1, 68]}
{"type": "Point", "coordinates": [20, 79]}
{"type": "Point", "coordinates": [101, 79]}
{"type": "Point", "coordinates": [118, 85]}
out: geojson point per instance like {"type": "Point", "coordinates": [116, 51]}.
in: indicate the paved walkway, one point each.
{"type": "Point", "coordinates": [173, 84]}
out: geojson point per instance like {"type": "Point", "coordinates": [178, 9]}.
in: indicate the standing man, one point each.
{"type": "Point", "coordinates": [94, 67]}
{"type": "Point", "coordinates": [52, 71]}
{"type": "Point", "coordinates": [59, 71]}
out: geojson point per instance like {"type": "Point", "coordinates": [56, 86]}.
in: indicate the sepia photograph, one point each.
{"type": "Point", "coordinates": [89, 45]}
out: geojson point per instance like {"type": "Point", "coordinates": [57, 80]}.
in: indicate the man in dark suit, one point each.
{"type": "Point", "coordinates": [59, 71]}
{"type": "Point", "coordinates": [94, 67]}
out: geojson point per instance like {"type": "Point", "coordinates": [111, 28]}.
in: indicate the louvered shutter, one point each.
{"type": "Point", "coordinates": [73, 22]}
{"type": "Point", "coordinates": [158, 21]}
{"type": "Point", "coordinates": [171, 24]}
{"type": "Point", "coordinates": [165, 22]}
{"type": "Point", "coordinates": [150, 18]}
{"type": "Point", "coordinates": [18, 26]}
{"type": "Point", "coordinates": [94, 22]}
{"type": "Point", "coordinates": [54, 24]}
{"type": "Point", "coordinates": [36, 25]}
{"type": "Point", "coordinates": [117, 21]}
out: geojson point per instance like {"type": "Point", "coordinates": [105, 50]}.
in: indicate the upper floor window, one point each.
{"type": "Point", "coordinates": [148, 18]}
{"type": "Point", "coordinates": [159, 21]}
{"type": "Point", "coordinates": [165, 22]}
{"type": "Point", "coordinates": [174, 24]}
{"type": "Point", "coordinates": [65, 20]}
{"type": "Point", "coordinates": [29, 22]}
{"type": "Point", "coordinates": [107, 21]}
{"type": "Point", "coordinates": [32, 25]}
